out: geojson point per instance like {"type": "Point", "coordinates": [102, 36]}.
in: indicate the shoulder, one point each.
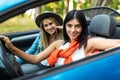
{"type": "Point", "coordinates": [91, 43]}
{"type": "Point", "coordinates": [94, 41]}
{"type": "Point", "coordinates": [57, 43]}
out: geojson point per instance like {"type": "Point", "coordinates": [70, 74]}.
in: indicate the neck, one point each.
{"type": "Point", "coordinates": [52, 38]}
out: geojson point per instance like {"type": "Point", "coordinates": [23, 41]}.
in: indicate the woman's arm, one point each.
{"type": "Point", "coordinates": [27, 57]}
{"type": "Point", "coordinates": [101, 44]}
{"type": "Point", "coordinates": [31, 50]}
{"type": "Point", "coordinates": [34, 46]}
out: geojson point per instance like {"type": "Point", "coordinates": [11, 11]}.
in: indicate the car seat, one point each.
{"type": "Point", "coordinates": [102, 25]}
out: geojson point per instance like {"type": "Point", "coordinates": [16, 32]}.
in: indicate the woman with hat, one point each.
{"type": "Point", "coordinates": [51, 29]}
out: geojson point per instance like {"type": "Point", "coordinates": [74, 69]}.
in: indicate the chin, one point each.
{"type": "Point", "coordinates": [73, 38]}
{"type": "Point", "coordinates": [51, 33]}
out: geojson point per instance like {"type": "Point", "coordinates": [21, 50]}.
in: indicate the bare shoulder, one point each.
{"type": "Point", "coordinates": [93, 43]}
{"type": "Point", "coordinates": [57, 43]}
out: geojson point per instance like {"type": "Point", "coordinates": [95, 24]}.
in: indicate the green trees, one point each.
{"type": "Point", "coordinates": [63, 6]}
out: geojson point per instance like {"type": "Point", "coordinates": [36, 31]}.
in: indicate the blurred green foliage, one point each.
{"type": "Point", "coordinates": [18, 23]}
{"type": "Point", "coordinates": [25, 23]}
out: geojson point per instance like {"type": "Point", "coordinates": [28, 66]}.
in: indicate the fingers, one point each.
{"type": "Point", "coordinates": [60, 27]}
{"type": "Point", "coordinates": [6, 40]}
{"type": "Point", "coordinates": [2, 37]}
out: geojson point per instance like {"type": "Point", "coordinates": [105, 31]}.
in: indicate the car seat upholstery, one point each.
{"type": "Point", "coordinates": [102, 25]}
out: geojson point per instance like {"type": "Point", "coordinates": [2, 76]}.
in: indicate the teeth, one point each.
{"type": "Point", "coordinates": [73, 35]}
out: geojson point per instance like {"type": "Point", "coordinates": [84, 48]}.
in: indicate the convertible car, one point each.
{"type": "Point", "coordinates": [102, 22]}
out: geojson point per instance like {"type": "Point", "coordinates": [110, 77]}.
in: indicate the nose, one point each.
{"type": "Point", "coordinates": [49, 27]}
{"type": "Point", "coordinates": [73, 29]}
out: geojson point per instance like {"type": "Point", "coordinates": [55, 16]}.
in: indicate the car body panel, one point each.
{"type": "Point", "coordinates": [12, 3]}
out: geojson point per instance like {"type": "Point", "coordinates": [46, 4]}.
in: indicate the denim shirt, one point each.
{"type": "Point", "coordinates": [33, 49]}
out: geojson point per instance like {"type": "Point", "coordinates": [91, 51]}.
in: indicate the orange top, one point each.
{"type": "Point", "coordinates": [66, 53]}
{"type": "Point", "coordinates": [63, 53]}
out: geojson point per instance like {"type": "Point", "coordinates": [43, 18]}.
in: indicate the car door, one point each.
{"type": "Point", "coordinates": [23, 40]}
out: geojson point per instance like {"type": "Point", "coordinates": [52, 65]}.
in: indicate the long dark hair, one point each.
{"type": "Point", "coordinates": [76, 14]}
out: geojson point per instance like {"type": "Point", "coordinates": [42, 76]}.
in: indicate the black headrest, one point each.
{"type": "Point", "coordinates": [103, 25]}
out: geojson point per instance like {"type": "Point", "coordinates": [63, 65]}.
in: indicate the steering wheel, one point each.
{"type": "Point", "coordinates": [9, 67]}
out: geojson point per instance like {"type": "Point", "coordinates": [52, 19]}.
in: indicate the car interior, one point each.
{"type": "Point", "coordinates": [98, 28]}
{"type": "Point", "coordinates": [102, 25]}
{"type": "Point", "coordinates": [108, 31]}
{"type": "Point", "coordinates": [91, 12]}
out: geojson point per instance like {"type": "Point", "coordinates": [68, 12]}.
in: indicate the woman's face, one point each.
{"type": "Point", "coordinates": [49, 26]}
{"type": "Point", "coordinates": [73, 29]}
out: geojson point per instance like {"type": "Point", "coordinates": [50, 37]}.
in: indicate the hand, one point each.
{"type": "Point", "coordinates": [60, 27]}
{"type": "Point", "coordinates": [6, 40]}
